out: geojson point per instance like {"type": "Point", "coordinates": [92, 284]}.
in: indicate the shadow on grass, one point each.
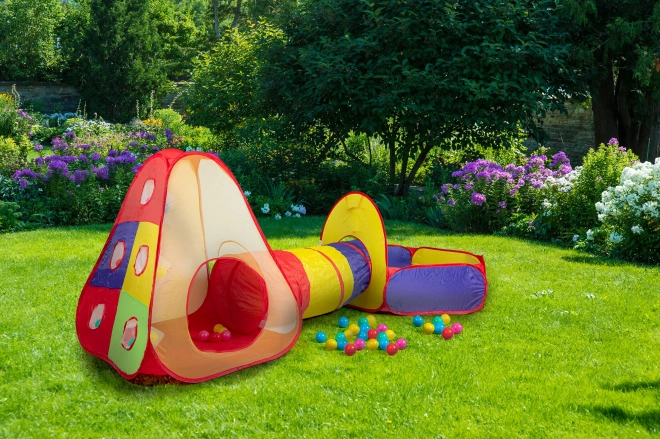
{"type": "Point", "coordinates": [589, 259]}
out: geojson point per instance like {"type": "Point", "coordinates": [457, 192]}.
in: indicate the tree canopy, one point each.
{"type": "Point", "coordinates": [419, 74]}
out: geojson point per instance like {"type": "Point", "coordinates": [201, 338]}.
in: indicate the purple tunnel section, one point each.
{"type": "Point", "coordinates": [398, 256]}
{"type": "Point", "coordinates": [105, 276]}
{"type": "Point", "coordinates": [449, 288]}
{"type": "Point", "coordinates": [359, 266]}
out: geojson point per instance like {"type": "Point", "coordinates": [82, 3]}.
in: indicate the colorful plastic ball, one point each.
{"type": "Point", "coordinates": [365, 327]}
{"type": "Point", "coordinates": [447, 333]}
{"type": "Point", "coordinates": [343, 322]}
{"type": "Point", "coordinates": [341, 344]}
{"type": "Point", "coordinates": [340, 336]}
{"type": "Point", "coordinates": [226, 335]}
{"type": "Point", "coordinates": [401, 344]}
{"type": "Point", "coordinates": [354, 328]}
{"type": "Point", "coordinates": [383, 344]}
{"type": "Point", "coordinates": [446, 319]}
{"type": "Point", "coordinates": [372, 344]}
{"type": "Point", "coordinates": [457, 328]}
{"type": "Point", "coordinates": [371, 320]}
{"type": "Point", "coordinates": [382, 327]}
{"type": "Point", "coordinates": [418, 321]}
{"type": "Point", "coordinates": [321, 337]}
{"type": "Point", "coordinates": [390, 334]}
{"type": "Point", "coordinates": [363, 335]}
{"type": "Point", "coordinates": [437, 319]}
{"type": "Point", "coordinates": [382, 336]}
{"type": "Point", "coordinates": [372, 333]}
{"type": "Point", "coordinates": [219, 328]}
{"type": "Point", "coordinates": [428, 328]}
{"type": "Point", "coordinates": [360, 344]}
{"type": "Point", "coordinates": [216, 337]}
{"type": "Point", "coordinates": [350, 349]}
{"type": "Point", "coordinates": [363, 321]}
{"type": "Point", "coordinates": [330, 345]}
{"type": "Point", "coordinates": [203, 335]}
{"type": "Point", "coordinates": [392, 349]}
{"type": "Point", "coordinates": [438, 328]}
{"type": "Point", "coordinates": [349, 334]}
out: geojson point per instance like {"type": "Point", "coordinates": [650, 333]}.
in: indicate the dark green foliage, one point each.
{"type": "Point", "coordinates": [113, 76]}
{"type": "Point", "coordinates": [419, 74]}
{"type": "Point", "coordinates": [9, 216]}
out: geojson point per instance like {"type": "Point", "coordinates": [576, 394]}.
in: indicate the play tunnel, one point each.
{"type": "Point", "coordinates": [186, 254]}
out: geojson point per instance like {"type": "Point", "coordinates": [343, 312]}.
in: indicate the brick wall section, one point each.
{"type": "Point", "coordinates": [49, 97]}
{"type": "Point", "coordinates": [572, 133]}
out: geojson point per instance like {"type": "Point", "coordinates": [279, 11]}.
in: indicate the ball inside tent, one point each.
{"type": "Point", "coordinates": [360, 344]}
{"type": "Point", "coordinates": [438, 328]}
{"type": "Point", "coordinates": [428, 328]}
{"type": "Point", "coordinates": [203, 335]}
{"type": "Point", "coordinates": [226, 335]}
{"type": "Point", "coordinates": [437, 319]}
{"type": "Point", "coordinates": [372, 344]}
{"type": "Point", "coordinates": [340, 336]}
{"type": "Point", "coordinates": [343, 322]}
{"type": "Point", "coordinates": [401, 344]}
{"type": "Point", "coordinates": [350, 349]}
{"type": "Point", "coordinates": [330, 345]}
{"type": "Point", "coordinates": [382, 327]}
{"type": "Point", "coordinates": [383, 344]}
{"type": "Point", "coordinates": [372, 333]}
{"type": "Point", "coordinates": [218, 328]}
{"type": "Point", "coordinates": [354, 328]}
{"type": "Point", "coordinates": [216, 337]}
{"type": "Point", "coordinates": [363, 321]}
{"type": "Point", "coordinates": [447, 333]}
{"type": "Point", "coordinates": [390, 334]}
{"type": "Point", "coordinates": [418, 321]}
{"type": "Point", "coordinates": [321, 337]}
{"type": "Point", "coordinates": [392, 349]}
{"type": "Point", "coordinates": [371, 320]}
{"type": "Point", "coordinates": [457, 328]}
{"type": "Point", "coordinates": [341, 344]}
{"type": "Point", "coordinates": [446, 319]}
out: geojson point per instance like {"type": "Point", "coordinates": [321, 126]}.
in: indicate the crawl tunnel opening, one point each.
{"type": "Point", "coordinates": [236, 298]}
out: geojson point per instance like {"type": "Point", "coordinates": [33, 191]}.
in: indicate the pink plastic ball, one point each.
{"type": "Point", "coordinates": [216, 337]}
{"type": "Point", "coordinates": [401, 344]}
{"type": "Point", "coordinates": [203, 335]}
{"type": "Point", "coordinates": [360, 344]}
{"type": "Point", "coordinates": [382, 327]}
{"type": "Point", "coordinates": [226, 335]}
{"type": "Point", "coordinates": [392, 349]}
{"type": "Point", "coordinates": [457, 328]}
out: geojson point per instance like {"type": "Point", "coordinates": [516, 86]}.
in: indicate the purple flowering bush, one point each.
{"type": "Point", "coordinates": [486, 196]}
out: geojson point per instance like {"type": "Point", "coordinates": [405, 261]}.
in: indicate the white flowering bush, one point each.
{"type": "Point", "coordinates": [630, 215]}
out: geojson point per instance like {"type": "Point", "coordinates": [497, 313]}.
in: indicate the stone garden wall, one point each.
{"type": "Point", "coordinates": [572, 133]}
{"type": "Point", "coordinates": [46, 96]}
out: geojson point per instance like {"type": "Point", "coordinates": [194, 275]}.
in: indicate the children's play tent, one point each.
{"type": "Point", "coordinates": [186, 253]}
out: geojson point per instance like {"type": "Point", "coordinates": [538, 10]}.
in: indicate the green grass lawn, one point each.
{"type": "Point", "coordinates": [582, 361]}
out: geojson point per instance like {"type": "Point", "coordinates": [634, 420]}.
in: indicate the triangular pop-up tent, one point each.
{"type": "Point", "coordinates": [186, 254]}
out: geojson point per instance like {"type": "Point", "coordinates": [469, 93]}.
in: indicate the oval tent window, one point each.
{"type": "Point", "coordinates": [117, 255]}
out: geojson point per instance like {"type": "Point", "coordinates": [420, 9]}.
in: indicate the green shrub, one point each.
{"type": "Point", "coordinates": [8, 115]}
{"type": "Point", "coordinates": [13, 155]}
{"type": "Point", "coordinates": [9, 216]}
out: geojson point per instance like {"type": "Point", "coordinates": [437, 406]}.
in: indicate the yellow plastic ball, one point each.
{"type": "Point", "coordinates": [348, 333]}
{"type": "Point", "coordinates": [219, 328]}
{"type": "Point", "coordinates": [372, 344]}
{"type": "Point", "coordinates": [428, 328]}
{"type": "Point", "coordinates": [390, 334]}
{"type": "Point", "coordinates": [372, 321]}
{"type": "Point", "coordinates": [330, 344]}
{"type": "Point", "coordinates": [446, 319]}
{"type": "Point", "coordinates": [355, 329]}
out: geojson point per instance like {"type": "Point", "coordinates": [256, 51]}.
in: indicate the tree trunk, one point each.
{"type": "Point", "coordinates": [215, 20]}
{"type": "Point", "coordinates": [413, 172]}
{"type": "Point", "coordinates": [648, 142]}
{"type": "Point", "coordinates": [603, 105]}
{"type": "Point", "coordinates": [237, 13]}
{"type": "Point", "coordinates": [401, 189]}
{"type": "Point", "coordinates": [628, 127]}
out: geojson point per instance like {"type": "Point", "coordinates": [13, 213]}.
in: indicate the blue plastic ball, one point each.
{"type": "Point", "coordinates": [418, 321]}
{"type": "Point", "coordinates": [382, 336]}
{"type": "Point", "coordinates": [321, 337]}
{"type": "Point", "coordinates": [438, 327]}
{"type": "Point", "coordinates": [341, 344]}
{"type": "Point", "coordinates": [365, 327]}
{"type": "Point", "coordinates": [363, 321]}
{"type": "Point", "coordinates": [340, 336]}
{"type": "Point", "coordinates": [343, 322]}
{"type": "Point", "coordinates": [382, 344]}
{"type": "Point", "coordinates": [438, 319]}
{"type": "Point", "coordinates": [363, 335]}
